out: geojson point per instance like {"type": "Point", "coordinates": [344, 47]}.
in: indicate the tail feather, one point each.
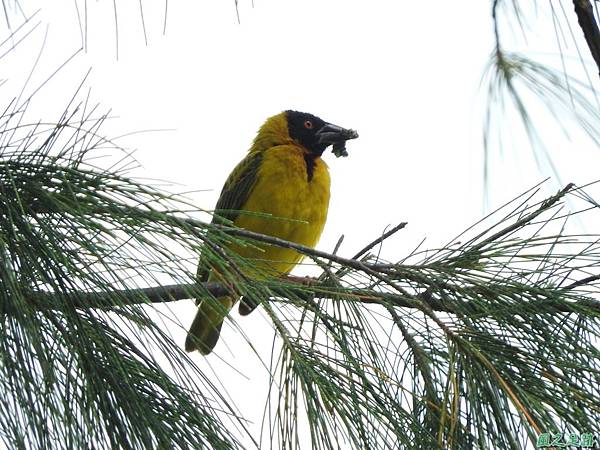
{"type": "Point", "coordinates": [206, 327]}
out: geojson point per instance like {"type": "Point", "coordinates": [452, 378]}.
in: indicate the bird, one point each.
{"type": "Point", "coordinates": [281, 188]}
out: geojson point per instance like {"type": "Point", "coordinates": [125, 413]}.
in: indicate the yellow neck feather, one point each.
{"type": "Point", "coordinates": [272, 133]}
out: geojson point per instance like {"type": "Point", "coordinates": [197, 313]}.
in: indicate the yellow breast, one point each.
{"type": "Point", "coordinates": [296, 207]}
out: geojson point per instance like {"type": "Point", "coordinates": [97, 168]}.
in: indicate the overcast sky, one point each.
{"type": "Point", "coordinates": [406, 75]}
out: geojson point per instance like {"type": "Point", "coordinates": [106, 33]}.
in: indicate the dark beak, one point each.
{"type": "Point", "coordinates": [331, 134]}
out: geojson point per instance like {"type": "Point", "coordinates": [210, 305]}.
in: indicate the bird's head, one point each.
{"type": "Point", "coordinates": [307, 130]}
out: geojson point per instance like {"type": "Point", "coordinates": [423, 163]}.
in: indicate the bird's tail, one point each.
{"type": "Point", "coordinates": [206, 327]}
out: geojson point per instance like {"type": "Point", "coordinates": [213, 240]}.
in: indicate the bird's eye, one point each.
{"type": "Point", "coordinates": [308, 124]}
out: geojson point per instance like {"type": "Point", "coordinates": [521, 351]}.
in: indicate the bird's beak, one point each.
{"type": "Point", "coordinates": [330, 134]}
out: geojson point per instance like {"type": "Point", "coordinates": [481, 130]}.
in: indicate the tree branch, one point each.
{"type": "Point", "coordinates": [587, 22]}
{"type": "Point", "coordinates": [298, 287]}
{"type": "Point", "coordinates": [175, 292]}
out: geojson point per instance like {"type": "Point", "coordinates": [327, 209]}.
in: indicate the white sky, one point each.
{"type": "Point", "coordinates": [406, 75]}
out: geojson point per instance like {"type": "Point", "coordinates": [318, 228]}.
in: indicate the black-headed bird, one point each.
{"type": "Point", "coordinates": [280, 189]}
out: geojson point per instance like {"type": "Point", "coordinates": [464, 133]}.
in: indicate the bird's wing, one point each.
{"type": "Point", "coordinates": [237, 188]}
{"type": "Point", "coordinates": [235, 192]}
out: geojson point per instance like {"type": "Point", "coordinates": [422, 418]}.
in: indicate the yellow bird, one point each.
{"type": "Point", "coordinates": [281, 189]}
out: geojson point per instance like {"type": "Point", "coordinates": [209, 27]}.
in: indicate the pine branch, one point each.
{"type": "Point", "coordinates": [293, 287]}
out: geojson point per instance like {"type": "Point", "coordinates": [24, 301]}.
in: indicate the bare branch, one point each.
{"type": "Point", "coordinates": [587, 22]}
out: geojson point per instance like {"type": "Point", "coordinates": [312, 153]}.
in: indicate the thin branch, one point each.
{"type": "Point", "coordinates": [587, 22]}
{"type": "Point", "coordinates": [544, 206]}
{"type": "Point", "coordinates": [583, 281]}
{"type": "Point", "coordinates": [362, 265]}
{"type": "Point", "coordinates": [157, 294]}
{"type": "Point", "coordinates": [381, 238]}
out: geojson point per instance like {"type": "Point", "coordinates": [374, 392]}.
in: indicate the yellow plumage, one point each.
{"type": "Point", "coordinates": [282, 191]}
{"type": "Point", "coordinates": [284, 177]}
